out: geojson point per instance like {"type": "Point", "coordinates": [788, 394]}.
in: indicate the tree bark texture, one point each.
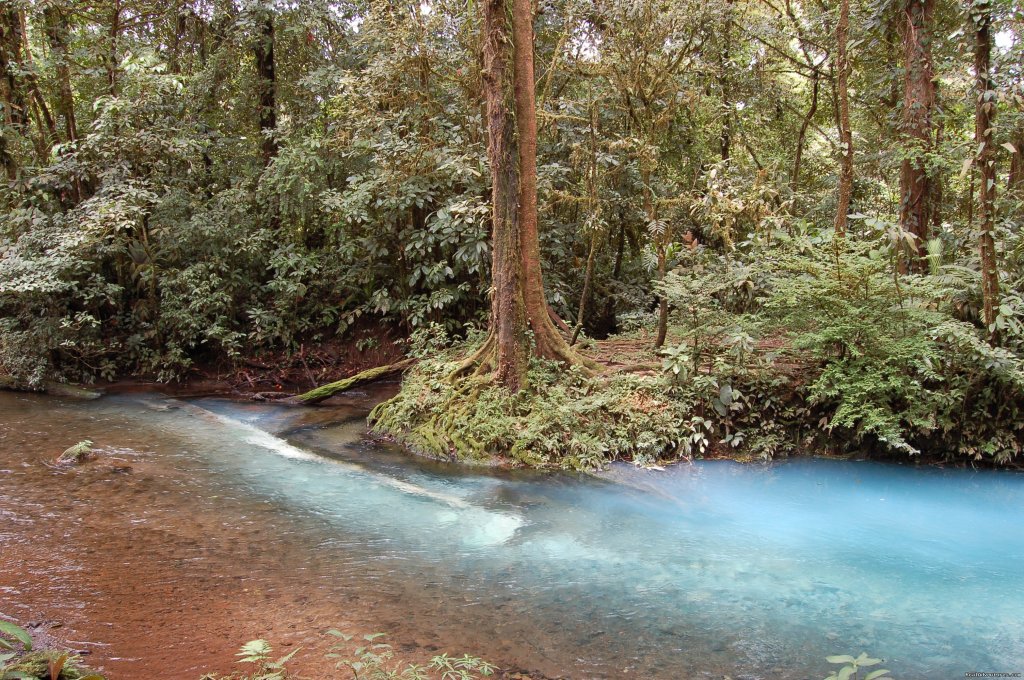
{"type": "Point", "coordinates": [57, 38]}
{"type": "Point", "coordinates": [845, 131]}
{"type": "Point", "coordinates": [984, 114]}
{"type": "Point", "coordinates": [508, 315]}
{"type": "Point", "coordinates": [916, 125]}
{"type": "Point", "coordinates": [267, 83]}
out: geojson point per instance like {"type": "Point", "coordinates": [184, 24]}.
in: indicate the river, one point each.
{"type": "Point", "coordinates": [206, 523]}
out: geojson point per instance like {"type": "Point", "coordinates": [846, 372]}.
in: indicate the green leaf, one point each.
{"type": "Point", "coordinates": [287, 657]}
{"type": "Point", "coordinates": [846, 672]}
{"type": "Point", "coordinates": [18, 633]}
{"type": "Point", "coordinates": [865, 660]}
{"type": "Point", "coordinates": [842, 658]}
{"type": "Point", "coordinates": [876, 674]}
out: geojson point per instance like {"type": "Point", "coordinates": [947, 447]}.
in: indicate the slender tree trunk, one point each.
{"type": "Point", "coordinates": [660, 244]}
{"type": "Point", "coordinates": [595, 210]}
{"type": "Point", "coordinates": [845, 131]}
{"type": "Point", "coordinates": [508, 313]}
{"type": "Point", "coordinates": [939, 180]}
{"type": "Point", "coordinates": [7, 158]}
{"type": "Point", "coordinates": [113, 40]}
{"type": "Point", "coordinates": [802, 135]}
{"type": "Point", "coordinates": [725, 136]}
{"type": "Point", "coordinates": [659, 340]}
{"type": "Point", "coordinates": [180, 26]}
{"type": "Point", "coordinates": [984, 114]}
{"type": "Point", "coordinates": [588, 277]}
{"type": "Point", "coordinates": [40, 110]}
{"type": "Point", "coordinates": [264, 53]}
{"type": "Point", "coordinates": [620, 249]}
{"type": "Point", "coordinates": [1015, 177]}
{"type": "Point", "coordinates": [918, 104]}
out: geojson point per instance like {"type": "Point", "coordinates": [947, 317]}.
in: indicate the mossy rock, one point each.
{"type": "Point", "coordinates": [77, 454]}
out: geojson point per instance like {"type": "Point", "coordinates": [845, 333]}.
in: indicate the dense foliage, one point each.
{"type": "Point", "coordinates": [203, 180]}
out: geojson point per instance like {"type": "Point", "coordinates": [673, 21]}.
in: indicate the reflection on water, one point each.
{"type": "Point", "coordinates": [704, 570]}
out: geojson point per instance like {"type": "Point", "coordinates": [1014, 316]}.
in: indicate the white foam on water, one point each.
{"type": "Point", "coordinates": [487, 527]}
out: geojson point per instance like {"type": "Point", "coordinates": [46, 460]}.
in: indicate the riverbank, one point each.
{"type": "Point", "coordinates": [200, 526]}
{"type": "Point", "coordinates": [712, 397]}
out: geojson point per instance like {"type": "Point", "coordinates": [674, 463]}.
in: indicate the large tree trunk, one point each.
{"type": "Point", "coordinates": [14, 110]}
{"type": "Point", "coordinates": [984, 114]}
{"type": "Point", "coordinates": [918, 105]}
{"type": "Point", "coordinates": [845, 131]}
{"type": "Point", "coordinates": [264, 53]}
{"type": "Point", "coordinates": [549, 343]}
{"type": "Point", "coordinates": [508, 315]}
{"type": "Point", "coordinates": [15, 107]}
{"type": "Point", "coordinates": [57, 37]}
{"type": "Point", "coordinates": [518, 285]}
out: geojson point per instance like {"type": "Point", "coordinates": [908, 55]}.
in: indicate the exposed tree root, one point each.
{"type": "Point", "coordinates": [315, 396]}
{"type": "Point", "coordinates": [479, 361]}
{"type": "Point", "coordinates": [484, 360]}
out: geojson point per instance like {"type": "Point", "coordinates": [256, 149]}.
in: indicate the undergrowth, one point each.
{"type": "Point", "coordinates": [20, 660]}
{"type": "Point", "coordinates": [809, 346]}
{"type": "Point", "coordinates": [570, 420]}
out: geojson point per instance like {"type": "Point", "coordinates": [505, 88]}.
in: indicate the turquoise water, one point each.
{"type": "Point", "coordinates": [705, 570]}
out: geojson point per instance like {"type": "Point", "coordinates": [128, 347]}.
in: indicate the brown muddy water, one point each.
{"type": "Point", "coordinates": [204, 524]}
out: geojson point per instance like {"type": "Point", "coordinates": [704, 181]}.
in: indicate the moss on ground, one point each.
{"type": "Point", "coordinates": [564, 418]}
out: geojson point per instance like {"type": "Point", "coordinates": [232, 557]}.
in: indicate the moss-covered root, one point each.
{"type": "Point", "coordinates": [315, 396]}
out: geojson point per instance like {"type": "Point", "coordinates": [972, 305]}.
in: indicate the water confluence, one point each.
{"type": "Point", "coordinates": [207, 523]}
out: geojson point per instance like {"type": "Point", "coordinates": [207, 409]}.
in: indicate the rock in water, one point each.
{"type": "Point", "coordinates": [79, 453]}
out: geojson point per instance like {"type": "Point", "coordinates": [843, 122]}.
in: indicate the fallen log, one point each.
{"type": "Point", "coordinates": [315, 396]}
{"type": "Point", "coordinates": [51, 387]}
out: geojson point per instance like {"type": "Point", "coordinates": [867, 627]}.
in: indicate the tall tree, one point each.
{"type": "Point", "coordinates": [724, 63]}
{"type": "Point", "coordinates": [916, 125]}
{"type": "Point", "coordinates": [56, 22]}
{"type": "Point", "coordinates": [266, 78]}
{"type": "Point", "coordinates": [845, 131]}
{"type": "Point", "coordinates": [508, 314]}
{"type": "Point", "coordinates": [518, 285]}
{"type": "Point", "coordinates": [984, 115]}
